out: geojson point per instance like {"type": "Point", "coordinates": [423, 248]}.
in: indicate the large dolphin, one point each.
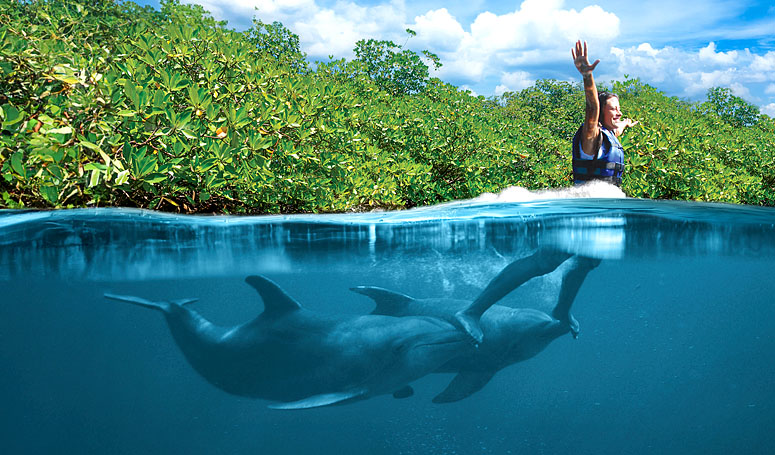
{"type": "Point", "coordinates": [304, 360]}
{"type": "Point", "coordinates": [509, 335]}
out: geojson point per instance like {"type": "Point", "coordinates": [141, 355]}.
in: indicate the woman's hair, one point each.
{"type": "Point", "coordinates": [603, 98]}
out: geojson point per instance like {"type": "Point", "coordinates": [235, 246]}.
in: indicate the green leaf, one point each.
{"type": "Point", "coordinates": [65, 74]}
{"type": "Point", "coordinates": [11, 116]}
{"type": "Point", "coordinates": [6, 67]}
{"type": "Point", "coordinates": [155, 178]}
{"type": "Point", "coordinates": [57, 155]}
{"type": "Point", "coordinates": [194, 95]}
{"type": "Point", "coordinates": [17, 165]}
{"type": "Point", "coordinates": [94, 166]}
{"type": "Point", "coordinates": [50, 193]}
{"type": "Point", "coordinates": [131, 92]}
{"type": "Point", "coordinates": [90, 145]}
{"type": "Point", "coordinates": [105, 158]}
{"type": "Point", "coordinates": [55, 171]}
{"type": "Point", "coordinates": [122, 177]}
{"type": "Point", "coordinates": [142, 165]}
{"type": "Point", "coordinates": [94, 179]}
{"type": "Point", "coordinates": [160, 99]}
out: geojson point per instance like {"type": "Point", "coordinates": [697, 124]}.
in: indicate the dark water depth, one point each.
{"type": "Point", "coordinates": [675, 353]}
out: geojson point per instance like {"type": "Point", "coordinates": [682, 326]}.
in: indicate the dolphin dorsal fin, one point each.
{"type": "Point", "coordinates": [389, 303]}
{"type": "Point", "coordinates": [276, 301]}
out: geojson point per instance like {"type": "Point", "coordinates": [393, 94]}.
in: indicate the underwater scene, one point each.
{"type": "Point", "coordinates": [524, 323]}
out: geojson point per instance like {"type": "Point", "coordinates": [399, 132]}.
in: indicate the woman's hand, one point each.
{"type": "Point", "coordinates": [580, 59]}
{"type": "Point", "coordinates": [627, 122]}
{"type": "Point", "coordinates": [622, 124]}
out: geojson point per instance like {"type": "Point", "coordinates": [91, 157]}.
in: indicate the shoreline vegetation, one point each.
{"type": "Point", "coordinates": [106, 103]}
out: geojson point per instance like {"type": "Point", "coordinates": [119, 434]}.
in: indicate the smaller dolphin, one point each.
{"type": "Point", "coordinates": [304, 360]}
{"type": "Point", "coordinates": [508, 335]}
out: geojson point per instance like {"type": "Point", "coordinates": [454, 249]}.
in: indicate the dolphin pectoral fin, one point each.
{"type": "Point", "coordinates": [276, 301]}
{"type": "Point", "coordinates": [574, 326]}
{"type": "Point", "coordinates": [575, 270]}
{"type": "Point", "coordinates": [515, 275]}
{"type": "Point", "coordinates": [464, 385]}
{"type": "Point", "coordinates": [317, 401]}
{"type": "Point", "coordinates": [470, 324]}
{"type": "Point", "coordinates": [404, 392]}
{"type": "Point", "coordinates": [162, 306]}
{"type": "Point", "coordinates": [389, 303]}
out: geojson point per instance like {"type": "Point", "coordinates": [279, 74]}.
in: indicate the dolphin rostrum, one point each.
{"type": "Point", "coordinates": [510, 335]}
{"type": "Point", "coordinates": [304, 360]}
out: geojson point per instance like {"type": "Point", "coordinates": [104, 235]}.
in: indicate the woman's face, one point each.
{"type": "Point", "coordinates": [611, 113]}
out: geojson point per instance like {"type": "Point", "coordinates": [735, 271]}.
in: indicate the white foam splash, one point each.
{"type": "Point", "coordinates": [593, 189]}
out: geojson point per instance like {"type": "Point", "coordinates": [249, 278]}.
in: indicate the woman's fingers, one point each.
{"type": "Point", "coordinates": [580, 51]}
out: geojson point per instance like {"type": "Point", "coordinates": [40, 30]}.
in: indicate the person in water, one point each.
{"type": "Point", "coordinates": [597, 152]}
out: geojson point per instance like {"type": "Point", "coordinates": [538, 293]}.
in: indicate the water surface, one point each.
{"type": "Point", "coordinates": [674, 356]}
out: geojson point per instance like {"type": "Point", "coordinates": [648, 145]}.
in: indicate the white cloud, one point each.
{"type": "Point", "coordinates": [538, 32]}
{"type": "Point", "coordinates": [275, 6]}
{"type": "Point", "coordinates": [709, 54]}
{"type": "Point", "coordinates": [692, 73]}
{"type": "Point", "coordinates": [740, 90]}
{"type": "Point", "coordinates": [508, 50]}
{"type": "Point", "coordinates": [439, 30]}
{"type": "Point", "coordinates": [764, 62]}
{"type": "Point", "coordinates": [514, 81]}
{"type": "Point", "coordinates": [698, 82]}
{"type": "Point", "coordinates": [465, 88]}
{"type": "Point", "coordinates": [768, 109]}
{"type": "Point", "coordinates": [322, 31]}
{"type": "Point", "coordinates": [647, 49]}
{"type": "Point", "coordinates": [645, 62]}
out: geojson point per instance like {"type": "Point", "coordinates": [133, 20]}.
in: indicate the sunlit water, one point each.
{"type": "Point", "coordinates": [675, 353]}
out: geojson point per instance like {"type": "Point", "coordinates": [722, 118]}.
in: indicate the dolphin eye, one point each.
{"type": "Point", "coordinates": [401, 348]}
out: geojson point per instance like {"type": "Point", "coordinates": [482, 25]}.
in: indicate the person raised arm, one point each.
{"type": "Point", "coordinates": [590, 131]}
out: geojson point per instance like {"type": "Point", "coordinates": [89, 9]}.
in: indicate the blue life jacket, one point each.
{"type": "Point", "coordinates": [609, 166]}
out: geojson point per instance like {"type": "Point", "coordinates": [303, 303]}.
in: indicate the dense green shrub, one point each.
{"type": "Point", "coordinates": [687, 151]}
{"type": "Point", "coordinates": [107, 103]}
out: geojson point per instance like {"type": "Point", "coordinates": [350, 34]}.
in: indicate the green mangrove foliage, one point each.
{"type": "Point", "coordinates": [105, 103]}
{"type": "Point", "coordinates": [719, 150]}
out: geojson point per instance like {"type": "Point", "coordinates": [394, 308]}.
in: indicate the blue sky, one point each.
{"type": "Point", "coordinates": [681, 48]}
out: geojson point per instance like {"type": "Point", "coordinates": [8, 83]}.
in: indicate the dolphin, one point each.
{"type": "Point", "coordinates": [300, 359]}
{"type": "Point", "coordinates": [510, 335]}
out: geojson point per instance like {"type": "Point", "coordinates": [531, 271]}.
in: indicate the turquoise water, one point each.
{"type": "Point", "coordinates": [674, 355]}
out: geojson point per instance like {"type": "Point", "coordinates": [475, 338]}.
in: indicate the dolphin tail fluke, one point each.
{"type": "Point", "coordinates": [465, 384]}
{"type": "Point", "coordinates": [161, 306]}
{"type": "Point", "coordinates": [574, 274]}
{"type": "Point", "coordinates": [317, 401]}
{"type": "Point", "coordinates": [511, 277]}
{"type": "Point", "coordinates": [389, 303]}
